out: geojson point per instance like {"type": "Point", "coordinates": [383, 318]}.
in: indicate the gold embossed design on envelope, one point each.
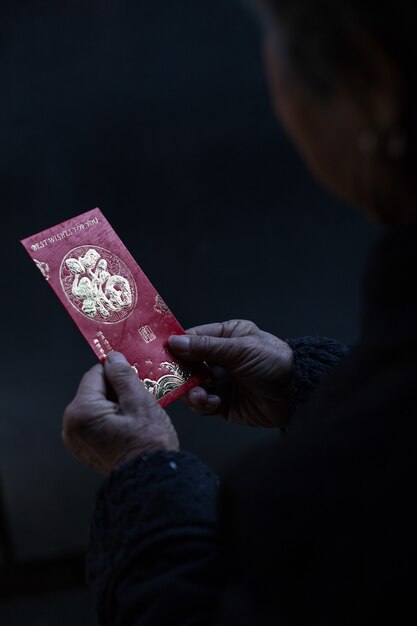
{"type": "Point", "coordinates": [177, 376]}
{"type": "Point", "coordinates": [98, 284]}
{"type": "Point", "coordinates": [43, 268]}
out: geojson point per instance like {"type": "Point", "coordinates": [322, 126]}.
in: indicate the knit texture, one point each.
{"type": "Point", "coordinates": [149, 500]}
{"type": "Point", "coordinates": [314, 357]}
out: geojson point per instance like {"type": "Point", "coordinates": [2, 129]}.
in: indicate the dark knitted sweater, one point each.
{"type": "Point", "coordinates": [317, 528]}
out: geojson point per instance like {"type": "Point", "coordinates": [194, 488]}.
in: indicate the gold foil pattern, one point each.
{"type": "Point", "coordinates": [176, 377]}
{"type": "Point", "coordinates": [43, 268]}
{"type": "Point", "coordinates": [98, 284]}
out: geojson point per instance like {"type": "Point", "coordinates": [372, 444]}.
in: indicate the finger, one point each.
{"type": "Point", "coordinates": [231, 328]}
{"type": "Point", "coordinates": [193, 396]}
{"type": "Point", "coordinates": [93, 384]}
{"type": "Point", "coordinates": [214, 330]}
{"type": "Point", "coordinates": [89, 402]}
{"type": "Point", "coordinates": [199, 401]}
{"type": "Point", "coordinates": [197, 396]}
{"type": "Point", "coordinates": [131, 394]}
{"type": "Point", "coordinates": [206, 348]}
{"type": "Point", "coordinates": [211, 406]}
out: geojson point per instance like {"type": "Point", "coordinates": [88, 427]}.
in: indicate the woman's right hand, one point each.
{"type": "Point", "coordinates": [251, 372]}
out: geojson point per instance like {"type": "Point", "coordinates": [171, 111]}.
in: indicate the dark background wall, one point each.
{"type": "Point", "coordinates": [158, 113]}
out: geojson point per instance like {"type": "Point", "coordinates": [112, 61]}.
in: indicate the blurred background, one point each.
{"type": "Point", "coordinates": [158, 113]}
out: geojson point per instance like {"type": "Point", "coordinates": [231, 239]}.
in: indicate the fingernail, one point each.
{"type": "Point", "coordinates": [195, 395]}
{"type": "Point", "coordinates": [116, 357]}
{"type": "Point", "coordinates": [180, 342]}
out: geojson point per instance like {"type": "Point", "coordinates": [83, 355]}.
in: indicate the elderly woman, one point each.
{"type": "Point", "coordinates": [318, 527]}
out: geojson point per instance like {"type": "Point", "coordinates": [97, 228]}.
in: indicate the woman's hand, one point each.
{"type": "Point", "coordinates": [252, 372]}
{"type": "Point", "coordinates": [113, 418]}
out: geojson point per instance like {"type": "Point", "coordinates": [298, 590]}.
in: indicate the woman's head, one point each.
{"type": "Point", "coordinates": [343, 79]}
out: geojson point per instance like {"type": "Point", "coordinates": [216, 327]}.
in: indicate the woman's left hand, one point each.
{"type": "Point", "coordinates": [104, 433]}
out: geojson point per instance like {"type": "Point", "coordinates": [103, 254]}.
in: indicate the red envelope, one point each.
{"type": "Point", "coordinates": [112, 302]}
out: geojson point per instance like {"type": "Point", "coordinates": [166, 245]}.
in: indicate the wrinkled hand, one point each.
{"type": "Point", "coordinates": [113, 418]}
{"type": "Point", "coordinates": [252, 372]}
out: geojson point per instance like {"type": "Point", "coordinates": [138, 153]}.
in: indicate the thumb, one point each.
{"type": "Point", "coordinates": [125, 382]}
{"type": "Point", "coordinates": [221, 350]}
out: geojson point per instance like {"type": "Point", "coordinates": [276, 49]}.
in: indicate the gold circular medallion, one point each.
{"type": "Point", "coordinates": [98, 284]}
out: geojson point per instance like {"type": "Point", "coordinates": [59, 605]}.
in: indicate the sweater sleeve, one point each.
{"type": "Point", "coordinates": [314, 357]}
{"type": "Point", "coordinates": [152, 556]}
